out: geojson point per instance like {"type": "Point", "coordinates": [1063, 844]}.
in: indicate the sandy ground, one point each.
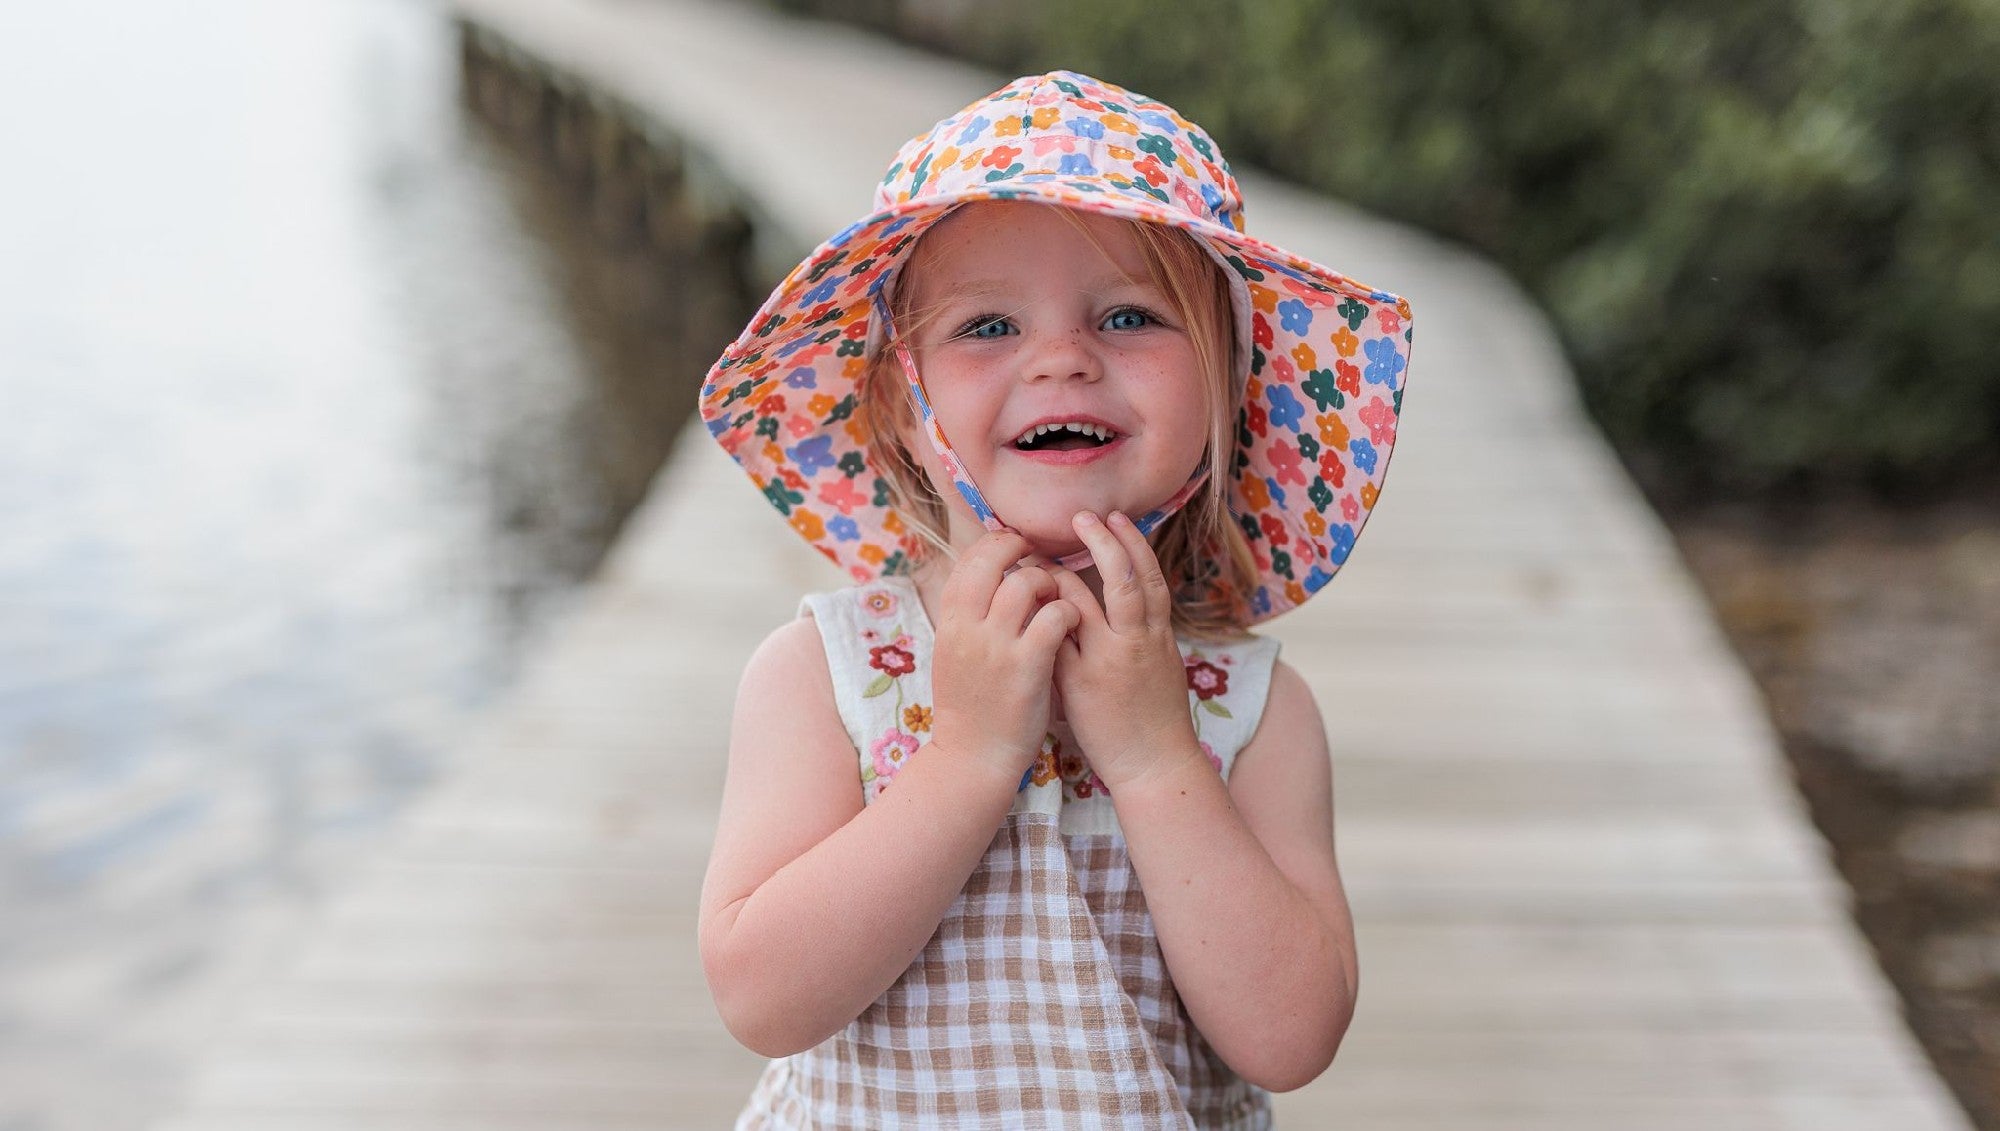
{"type": "Point", "coordinates": [1874, 631]}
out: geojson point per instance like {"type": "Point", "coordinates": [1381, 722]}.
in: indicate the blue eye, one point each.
{"type": "Point", "coordinates": [1127, 318]}
{"type": "Point", "coordinates": [985, 326]}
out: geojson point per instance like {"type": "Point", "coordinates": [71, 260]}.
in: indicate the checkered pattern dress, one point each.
{"type": "Point", "coordinates": [1042, 1001]}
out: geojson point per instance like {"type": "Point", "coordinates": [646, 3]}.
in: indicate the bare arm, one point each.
{"type": "Point", "coordinates": [1245, 894]}
{"type": "Point", "coordinates": [815, 904]}
{"type": "Point", "coordinates": [1241, 880]}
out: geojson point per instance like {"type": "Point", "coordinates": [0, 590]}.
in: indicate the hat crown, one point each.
{"type": "Point", "coordinates": [1070, 127]}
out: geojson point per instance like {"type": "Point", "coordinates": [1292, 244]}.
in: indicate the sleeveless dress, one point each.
{"type": "Point", "coordinates": [1042, 1000]}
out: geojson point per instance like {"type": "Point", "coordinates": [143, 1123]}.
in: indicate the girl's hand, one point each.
{"type": "Point", "coordinates": [997, 636]}
{"type": "Point", "coordinates": [1123, 683]}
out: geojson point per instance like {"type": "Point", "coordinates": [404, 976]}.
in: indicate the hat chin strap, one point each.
{"type": "Point", "coordinates": [969, 491]}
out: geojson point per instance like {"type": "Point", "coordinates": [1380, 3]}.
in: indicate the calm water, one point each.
{"type": "Point", "coordinates": [314, 406]}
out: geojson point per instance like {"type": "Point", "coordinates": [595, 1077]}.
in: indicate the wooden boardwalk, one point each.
{"type": "Point", "coordinates": [1586, 894]}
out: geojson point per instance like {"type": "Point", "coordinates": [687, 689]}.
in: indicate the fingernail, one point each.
{"type": "Point", "coordinates": [1086, 518]}
{"type": "Point", "coordinates": [1121, 517]}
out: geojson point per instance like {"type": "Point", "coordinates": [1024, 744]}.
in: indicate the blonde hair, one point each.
{"type": "Point", "coordinates": [1206, 559]}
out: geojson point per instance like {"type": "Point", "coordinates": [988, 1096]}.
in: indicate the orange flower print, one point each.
{"type": "Point", "coordinates": [1044, 770]}
{"type": "Point", "coordinates": [809, 525]}
{"type": "Point", "coordinates": [1368, 496]}
{"type": "Point", "coordinates": [1046, 117]}
{"type": "Point", "coordinates": [1304, 355]}
{"type": "Point", "coordinates": [1332, 430]}
{"type": "Point", "coordinates": [916, 718]}
{"type": "Point", "coordinates": [1345, 342]}
{"type": "Point", "coordinates": [1315, 525]}
{"type": "Point", "coordinates": [1255, 495]}
{"type": "Point", "coordinates": [1264, 299]}
{"type": "Point", "coordinates": [821, 404]}
{"type": "Point", "coordinates": [1009, 126]}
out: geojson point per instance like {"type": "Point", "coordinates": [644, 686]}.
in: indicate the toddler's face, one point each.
{"type": "Point", "coordinates": [1026, 320]}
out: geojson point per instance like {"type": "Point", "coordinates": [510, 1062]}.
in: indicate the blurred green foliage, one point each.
{"type": "Point", "coordinates": [1768, 233]}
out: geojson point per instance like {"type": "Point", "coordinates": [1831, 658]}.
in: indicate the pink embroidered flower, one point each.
{"type": "Point", "coordinates": [879, 602]}
{"type": "Point", "coordinates": [1214, 759]}
{"type": "Point", "coordinates": [1206, 680]}
{"type": "Point", "coordinates": [889, 658]}
{"type": "Point", "coordinates": [891, 751]}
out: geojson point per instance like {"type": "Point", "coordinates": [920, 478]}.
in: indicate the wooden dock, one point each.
{"type": "Point", "coordinates": [1586, 893]}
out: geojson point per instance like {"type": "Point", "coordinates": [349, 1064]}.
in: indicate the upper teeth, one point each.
{"type": "Point", "coordinates": [1102, 434]}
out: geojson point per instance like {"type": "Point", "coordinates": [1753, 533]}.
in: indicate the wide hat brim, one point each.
{"type": "Point", "coordinates": [1314, 433]}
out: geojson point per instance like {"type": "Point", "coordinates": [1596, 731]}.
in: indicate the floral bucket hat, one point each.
{"type": "Point", "coordinates": [1321, 379]}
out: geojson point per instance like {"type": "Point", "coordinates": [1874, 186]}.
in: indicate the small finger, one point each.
{"type": "Point", "coordinates": [1159, 599]}
{"type": "Point", "coordinates": [1124, 598]}
{"type": "Point", "coordinates": [1050, 627]}
{"type": "Point", "coordinates": [1090, 615]}
{"type": "Point", "coordinates": [1020, 594]}
{"type": "Point", "coordinates": [968, 592]}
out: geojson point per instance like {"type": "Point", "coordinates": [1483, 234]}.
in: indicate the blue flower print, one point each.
{"type": "Point", "coordinates": [1211, 196]}
{"type": "Point", "coordinates": [1364, 455]}
{"type": "Point", "coordinates": [979, 508]}
{"type": "Point", "coordinates": [720, 425]}
{"type": "Point", "coordinates": [820, 293]}
{"type": "Point", "coordinates": [894, 226]}
{"type": "Point", "coordinates": [1341, 542]}
{"type": "Point", "coordinates": [795, 345]}
{"type": "Point", "coordinates": [1076, 164]}
{"type": "Point", "coordinates": [1158, 121]}
{"type": "Point", "coordinates": [844, 529]}
{"type": "Point", "coordinates": [1295, 316]}
{"type": "Point", "coordinates": [1277, 492]}
{"type": "Point", "coordinates": [1260, 601]}
{"type": "Point", "coordinates": [1286, 411]}
{"type": "Point", "coordinates": [1316, 580]}
{"type": "Point", "coordinates": [1383, 362]}
{"type": "Point", "coordinates": [802, 378]}
{"type": "Point", "coordinates": [1085, 127]}
{"type": "Point", "coordinates": [812, 454]}
{"type": "Point", "coordinates": [972, 130]}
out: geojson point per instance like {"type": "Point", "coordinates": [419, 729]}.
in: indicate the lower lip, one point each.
{"type": "Point", "coordinates": [1070, 458]}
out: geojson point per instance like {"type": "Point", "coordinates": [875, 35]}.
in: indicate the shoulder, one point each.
{"type": "Point", "coordinates": [1288, 752]}
{"type": "Point", "coordinates": [787, 676]}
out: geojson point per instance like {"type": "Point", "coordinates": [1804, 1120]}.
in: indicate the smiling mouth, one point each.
{"type": "Point", "coordinates": [1072, 436]}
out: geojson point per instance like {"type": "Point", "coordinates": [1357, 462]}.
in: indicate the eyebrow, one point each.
{"type": "Point", "coordinates": [994, 288]}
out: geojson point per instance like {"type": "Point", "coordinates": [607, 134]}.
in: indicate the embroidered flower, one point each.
{"type": "Point", "coordinates": [916, 718]}
{"type": "Point", "coordinates": [1206, 680]}
{"type": "Point", "coordinates": [1214, 759]}
{"type": "Point", "coordinates": [879, 602]}
{"type": "Point", "coordinates": [890, 752]}
{"type": "Point", "coordinates": [891, 659]}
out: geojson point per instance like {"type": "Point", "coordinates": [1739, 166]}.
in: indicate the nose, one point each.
{"type": "Point", "coordinates": [1061, 354]}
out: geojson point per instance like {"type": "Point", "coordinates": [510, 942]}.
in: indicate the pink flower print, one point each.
{"type": "Point", "coordinates": [1349, 508]}
{"type": "Point", "coordinates": [800, 426]}
{"type": "Point", "coordinates": [1285, 460]}
{"type": "Point", "coordinates": [1205, 679]}
{"type": "Point", "coordinates": [897, 662]}
{"type": "Point", "coordinates": [1283, 369]}
{"type": "Point", "coordinates": [891, 751]}
{"type": "Point", "coordinates": [840, 493]}
{"type": "Point", "coordinates": [1387, 318]}
{"type": "Point", "coordinates": [1214, 759]}
{"type": "Point", "coordinates": [1045, 144]}
{"type": "Point", "coordinates": [1381, 421]}
{"type": "Point", "coordinates": [879, 602]}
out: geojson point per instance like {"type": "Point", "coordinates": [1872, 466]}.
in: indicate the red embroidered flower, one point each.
{"type": "Point", "coordinates": [892, 659]}
{"type": "Point", "coordinates": [1206, 680]}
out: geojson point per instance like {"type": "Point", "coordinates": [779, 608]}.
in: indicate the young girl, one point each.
{"type": "Point", "coordinates": [1024, 829]}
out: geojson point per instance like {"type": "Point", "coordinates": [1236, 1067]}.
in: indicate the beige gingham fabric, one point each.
{"type": "Point", "coordinates": [1042, 1001]}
